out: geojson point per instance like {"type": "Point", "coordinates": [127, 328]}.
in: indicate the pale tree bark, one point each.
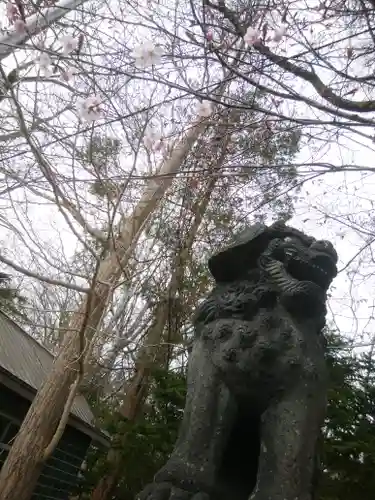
{"type": "Point", "coordinates": [136, 391]}
{"type": "Point", "coordinates": [21, 470]}
{"type": "Point", "coordinates": [153, 352]}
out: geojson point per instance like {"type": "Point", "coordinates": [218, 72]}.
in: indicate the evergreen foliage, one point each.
{"type": "Point", "coordinates": [349, 434]}
{"type": "Point", "coordinates": [146, 443]}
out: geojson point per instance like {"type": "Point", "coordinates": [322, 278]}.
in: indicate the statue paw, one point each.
{"type": "Point", "coordinates": [166, 491]}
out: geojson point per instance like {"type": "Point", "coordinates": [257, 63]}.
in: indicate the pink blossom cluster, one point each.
{"type": "Point", "coordinates": [14, 17]}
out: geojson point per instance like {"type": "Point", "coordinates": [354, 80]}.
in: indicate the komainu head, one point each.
{"type": "Point", "coordinates": [298, 266]}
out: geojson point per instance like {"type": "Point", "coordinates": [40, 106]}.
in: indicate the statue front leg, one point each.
{"type": "Point", "coordinates": [289, 434]}
{"type": "Point", "coordinates": [208, 416]}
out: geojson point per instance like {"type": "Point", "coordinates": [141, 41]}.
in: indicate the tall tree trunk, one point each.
{"type": "Point", "coordinates": [136, 393]}
{"type": "Point", "coordinates": [22, 467]}
{"type": "Point", "coordinates": [149, 354]}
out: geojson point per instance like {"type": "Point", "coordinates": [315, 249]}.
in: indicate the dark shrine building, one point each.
{"type": "Point", "coordinates": [24, 365]}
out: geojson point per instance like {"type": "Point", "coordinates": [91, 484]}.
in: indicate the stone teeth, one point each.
{"type": "Point", "coordinates": [320, 269]}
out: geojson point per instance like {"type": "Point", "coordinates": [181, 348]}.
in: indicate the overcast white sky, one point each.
{"type": "Point", "coordinates": [337, 195]}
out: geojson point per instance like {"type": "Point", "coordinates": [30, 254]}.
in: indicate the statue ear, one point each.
{"type": "Point", "coordinates": [230, 263]}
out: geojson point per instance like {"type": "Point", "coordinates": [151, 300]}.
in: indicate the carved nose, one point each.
{"type": "Point", "coordinates": [325, 246]}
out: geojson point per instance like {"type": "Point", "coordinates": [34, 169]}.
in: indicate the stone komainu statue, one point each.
{"type": "Point", "coordinates": [256, 381]}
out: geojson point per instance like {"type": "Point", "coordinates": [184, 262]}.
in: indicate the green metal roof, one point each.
{"type": "Point", "coordinates": [30, 362]}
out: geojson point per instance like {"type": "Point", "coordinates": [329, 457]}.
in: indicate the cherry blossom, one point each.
{"type": "Point", "coordinates": [44, 60]}
{"type": "Point", "coordinates": [252, 36]}
{"type": "Point", "coordinates": [159, 146]}
{"type": "Point", "coordinates": [69, 44]}
{"type": "Point", "coordinates": [151, 138]}
{"type": "Point", "coordinates": [19, 26]}
{"type": "Point", "coordinates": [209, 36]}
{"type": "Point", "coordinates": [204, 109]}
{"type": "Point", "coordinates": [67, 74]}
{"type": "Point", "coordinates": [279, 33]}
{"type": "Point", "coordinates": [90, 108]}
{"type": "Point", "coordinates": [147, 54]}
{"type": "Point", "coordinates": [12, 12]}
{"type": "Point", "coordinates": [45, 64]}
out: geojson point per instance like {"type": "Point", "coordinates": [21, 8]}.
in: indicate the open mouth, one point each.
{"type": "Point", "coordinates": [319, 269]}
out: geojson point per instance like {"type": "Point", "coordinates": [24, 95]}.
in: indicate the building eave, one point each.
{"type": "Point", "coordinates": [27, 392]}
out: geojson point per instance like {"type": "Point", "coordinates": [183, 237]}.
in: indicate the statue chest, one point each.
{"type": "Point", "coordinates": [257, 359]}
